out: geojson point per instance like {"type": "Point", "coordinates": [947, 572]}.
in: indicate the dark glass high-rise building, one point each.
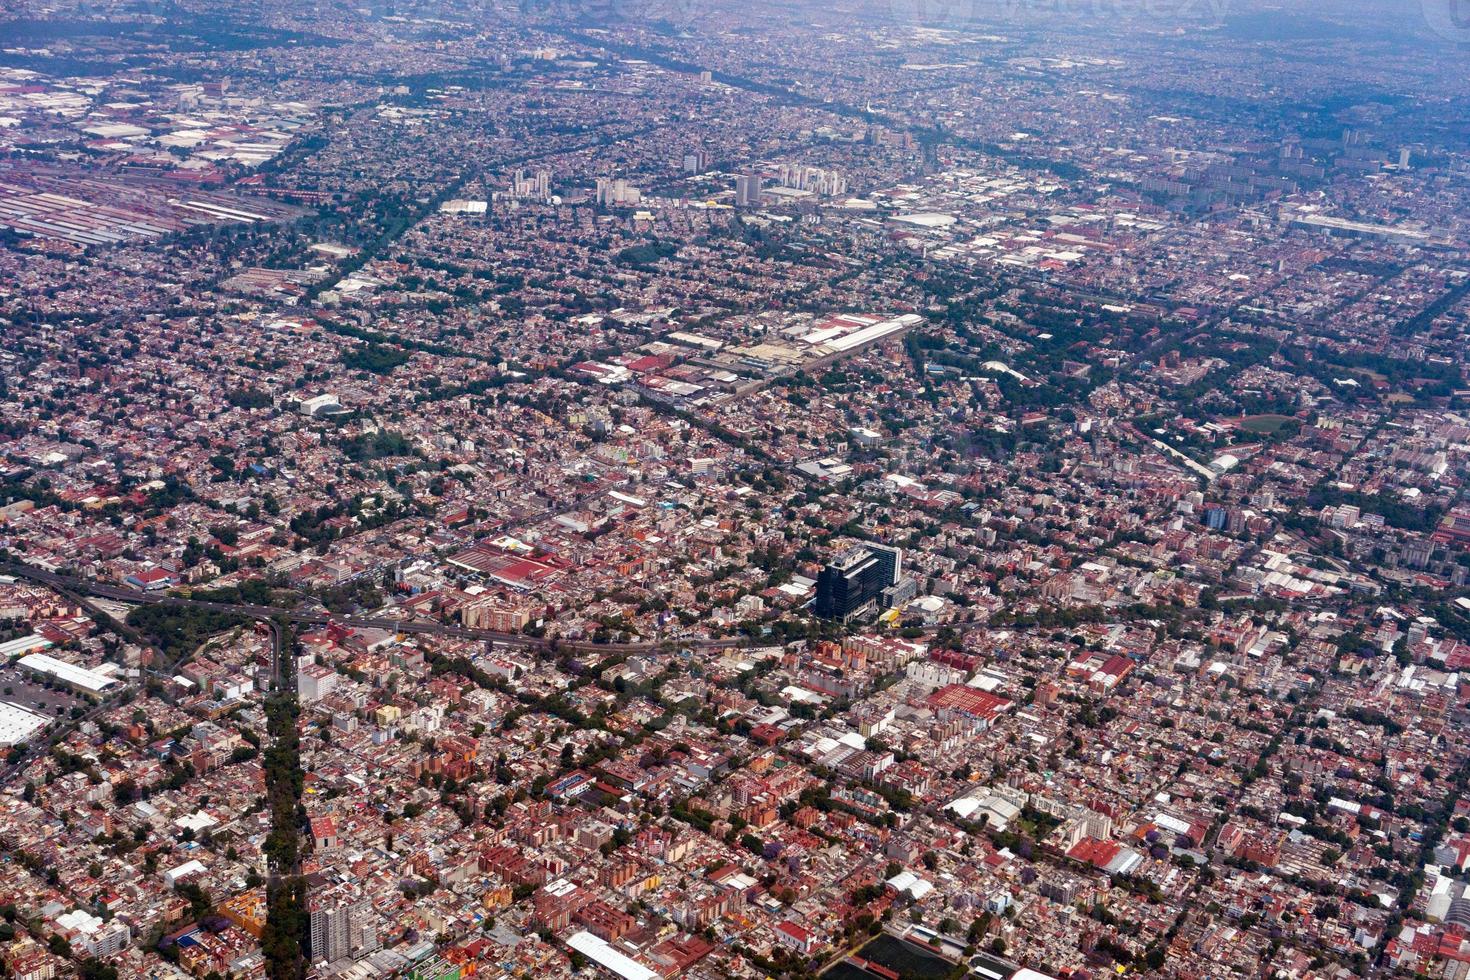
{"type": "Point", "coordinates": [855, 578]}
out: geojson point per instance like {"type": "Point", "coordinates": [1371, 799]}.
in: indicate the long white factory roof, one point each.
{"type": "Point", "coordinates": [608, 958]}
{"type": "Point", "coordinates": [81, 677]}
{"type": "Point", "coordinates": [17, 724]}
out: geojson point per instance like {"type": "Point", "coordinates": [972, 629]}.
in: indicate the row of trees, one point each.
{"type": "Point", "coordinates": [284, 940]}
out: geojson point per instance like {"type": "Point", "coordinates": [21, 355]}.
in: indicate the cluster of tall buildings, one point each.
{"type": "Point", "coordinates": [747, 191]}
{"type": "Point", "coordinates": [536, 187]}
{"type": "Point", "coordinates": [696, 162]}
{"type": "Point", "coordinates": [818, 180]}
{"type": "Point", "coordinates": [616, 190]}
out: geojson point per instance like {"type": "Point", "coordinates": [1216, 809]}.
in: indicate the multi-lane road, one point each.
{"type": "Point", "coordinates": [422, 627]}
{"type": "Point", "coordinates": [309, 617]}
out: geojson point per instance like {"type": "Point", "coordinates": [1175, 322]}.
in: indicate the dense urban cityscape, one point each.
{"type": "Point", "coordinates": [878, 490]}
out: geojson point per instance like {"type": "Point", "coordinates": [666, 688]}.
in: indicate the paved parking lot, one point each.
{"type": "Point", "coordinates": [17, 688]}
